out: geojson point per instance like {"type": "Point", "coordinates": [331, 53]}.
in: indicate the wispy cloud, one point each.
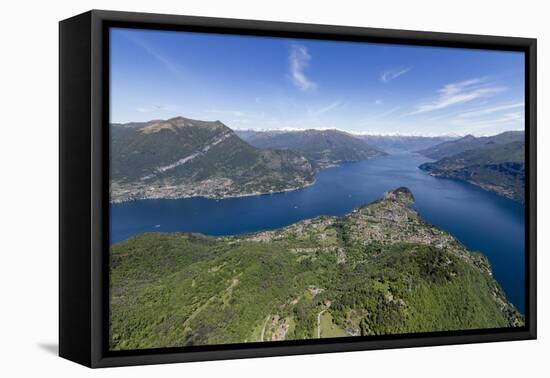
{"type": "Point", "coordinates": [459, 93]}
{"type": "Point", "coordinates": [299, 61]}
{"type": "Point", "coordinates": [170, 65]}
{"type": "Point", "coordinates": [393, 74]}
{"type": "Point", "coordinates": [233, 113]}
{"type": "Point", "coordinates": [381, 115]}
{"type": "Point", "coordinates": [512, 117]}
{"type": "Point", "coordinates": [489, 125]}
{"type": "Point", "coordinates": [327, 108]}
{"type": "Point", "coordinates": [151, 109]}
{"type": "Point", "coordinates": [490, 110]}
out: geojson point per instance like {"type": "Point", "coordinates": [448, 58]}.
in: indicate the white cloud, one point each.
{"type": "Point", "coordinates": [382, 115]}
{"type": "Point", "coordinates": [175, 68]}
{"type": "Point", "coordinates": [390, 75]}
{"type": "Point", "coordinates": [495, 109]}
{"type": "Point", "coordinates": [232, 113]}
{"type": "Point", "coordinates": [511, 117]}
{"type": "Point", "coordinates": [328, 108]}
{"type": "Point", "coordinates": [490, 126]}
{"type": "Point", "coordinates": [459, 93]}
{"type": "Point", "coordinates": [378, 102]}
{"type": "Point", "coordinates": [299, 61]}
{"type": "Point", "coordinates": [151, 109]}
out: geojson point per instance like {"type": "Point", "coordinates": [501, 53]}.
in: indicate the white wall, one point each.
{"type": "Point", "coordinates": [28, 158]}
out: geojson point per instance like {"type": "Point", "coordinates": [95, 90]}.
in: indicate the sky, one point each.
{"type": "Point", "coordinates": [265, 83]}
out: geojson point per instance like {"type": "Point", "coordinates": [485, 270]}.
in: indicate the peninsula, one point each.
{"type": "Point", "coordinates": [379, 270]}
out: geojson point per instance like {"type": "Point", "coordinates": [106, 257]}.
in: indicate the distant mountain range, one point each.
{"type": "Point", "coordinates": [308, 141]}
{"type": "Point", "coordinates": [182, 157]}
{"type": "Point", "coordinates": [399, 143]}
{"type": "Point", "coordinates": [495, 163]}
{"type": "Point", "coordinates": [322, 147]}
{"type": "Point", "coordinates": [470, 142]}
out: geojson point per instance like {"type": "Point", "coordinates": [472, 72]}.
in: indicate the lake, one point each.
{"type": "Point", "coordinates": [481, 220]}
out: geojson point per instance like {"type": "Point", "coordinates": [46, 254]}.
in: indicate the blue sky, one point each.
{"type": "Point", "coordinates": [277, 83]}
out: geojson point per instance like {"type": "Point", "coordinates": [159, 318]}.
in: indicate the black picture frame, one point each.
{"type": "Point", "coordinates": [84, 184]}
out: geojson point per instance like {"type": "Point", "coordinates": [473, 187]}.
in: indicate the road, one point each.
{"type": "Point", "coordinates": [263, 329]}
{"type": "Point", "coordinates": [319, 323]}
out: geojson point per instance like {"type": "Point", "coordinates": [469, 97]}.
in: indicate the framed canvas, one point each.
{"type": "Point", "coordinates": [234, 188]}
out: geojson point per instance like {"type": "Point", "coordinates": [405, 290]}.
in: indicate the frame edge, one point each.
{"type": "Point", "coordinates": [74, 194]}
{"type": "Point", "coordinates": [99, 17]}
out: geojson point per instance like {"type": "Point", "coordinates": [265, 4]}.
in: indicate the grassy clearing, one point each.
{"type": "Point", "coordinates": [329, 329]}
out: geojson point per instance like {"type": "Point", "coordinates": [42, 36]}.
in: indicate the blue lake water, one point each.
{"type": "Point", "coordinates": [482, 221]}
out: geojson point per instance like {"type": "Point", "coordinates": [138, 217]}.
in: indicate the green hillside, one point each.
{"type": "Point", "coordinates": [181, 157]}
{"type": "Point", "coordinates": [498, 167]}
{"type": "Point", "coordinates": [470, 142]}
{"type": "Point", "coordinates": [379, 270]}
{"type": "Point", "coordinates": [320, 146]}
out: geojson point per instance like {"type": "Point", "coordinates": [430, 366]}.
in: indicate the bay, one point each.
{"type": "Point", "coordinates": [482, 221]}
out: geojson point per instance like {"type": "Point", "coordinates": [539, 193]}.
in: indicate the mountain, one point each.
{"type": "Point", "coordinates": [379, 270]}
{"type": "Point", "coordinates": [181, 157]}
{"type": "Point", "coordinates": [498, 168]}
{"type": "Point", "coordinates": [246, 134]}
{"type": "Point", "coordinates": [470, 142]}
{"type": "Point", "coordinates": [398, 143]}
{"type": "Point", "coordinates": [496, 164]}
{"type": "Point", "coordinates": [323, 147]}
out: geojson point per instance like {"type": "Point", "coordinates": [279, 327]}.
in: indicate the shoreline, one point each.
{"type": "Point", "coordinates": [499, 191]}
{"type": "Point", "coordinates": [240, 195]}
{"type": "Point", "coordinates": [214, 197]}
